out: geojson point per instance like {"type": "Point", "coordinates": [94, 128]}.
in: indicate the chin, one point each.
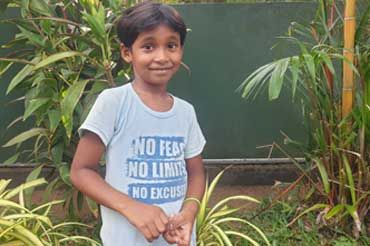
{"type": "Point", "coordinates": [158, 82]}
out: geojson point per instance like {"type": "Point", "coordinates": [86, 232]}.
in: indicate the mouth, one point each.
{"type": "Point", "coordinates": [161, 69]}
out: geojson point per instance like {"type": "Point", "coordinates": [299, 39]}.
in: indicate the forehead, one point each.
{"type": "Point", "coordinates": [161, 32]}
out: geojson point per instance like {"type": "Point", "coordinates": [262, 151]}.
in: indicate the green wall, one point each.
{"type": "Point", "coordinates": [227, 42]}
{"type": "Point", "coordinates": [8, 110]}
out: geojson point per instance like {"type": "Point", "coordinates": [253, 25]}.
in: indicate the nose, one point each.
{"type": "Point", "coordinates": [161, 56]}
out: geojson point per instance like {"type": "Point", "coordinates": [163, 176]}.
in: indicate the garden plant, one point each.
{"type": "Point", "coordinates": [25, 223]}
{"type": "Point", "coordinates": [331, 76]}
{"type": "Point", "coordinates": [66, 49]}
{"type": "Point", "coordinates": [214, 225]}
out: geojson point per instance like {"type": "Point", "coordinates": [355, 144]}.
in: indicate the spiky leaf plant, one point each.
{"type": "Point", "coordinates": [24, 225]}
{"type": "Point", "coordinates": [211, 220]}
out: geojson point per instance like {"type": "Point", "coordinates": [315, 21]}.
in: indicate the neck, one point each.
{"type": "Point", "coordinates": [149, 89]}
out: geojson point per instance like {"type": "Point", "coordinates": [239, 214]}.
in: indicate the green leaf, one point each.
{"type": "Point", "coordinates": [232, 219]}
{"type": "Point", "coordinates": [56, 57]}
{"type": "Point", "coordinates": [24, 186]}
{"type": "Point", "coordinates": [277, 78]}
{"type": "Point", "coordinates": [34, 38]}
{"type": "Point", "coordinates": [224, 212]}
{"type": "Point", "coordinates": [294, 68]}
{"type": "Point", "coordinates": [242, 235]}
{"type": "Point", "coordinates": [334, 211]}
{"type": "Point", "coordinates": [25, 4]}
{"type": "Point", "coordinates": [31, 177]}
{"type": "Point", "coordinates": [40, 7]}
{"type": "Point", "coordinates": [4, 66]}
{"type": "Point", "coordinates": [222, 234]}
{"type": "Point", "coordinates": [33, 105]}
{"type": "Point", "coordinates": [93, 207]}
{"type": "Point", "coordinates": [228, 199]}
{"type": "Point", "coordinates": [64, 174]}
{"type": "Point", "coordinates": [327, 61]}
{"type": "Point", "coordinates": [12, 159]}
{"type": "Point", "coordinates": [69, 103]}
{"type": "Point", "coordinates": [323, 174]}
{"type": "Point", "coordinates": [96, 23]}
{"type": "Point", "coordinates": [351, 183]}
{"type": "Point", "coordinates": [26, 233]}
{"type": "Point", "coordinates": [7, 203]}
{"type": "Point", "coordinates": [57, 153]}
{"type": "Point", "coordinates": [21, 75]}
{"type": "Point", "coordinates": [3, 184]}
{"type": "Point", "coordinates": [310, 64]}
{"type": "Point", "coordinates": [256, 80]}
{"type": "Point", "coordinates": [310, 209]}
{"type": "Point", "coordinates": [80, 201]}
{"type": "Point", "coordinates": [25, 136]}
{"type": "Point", "coordinates": [213, 185]}
{"type": "Point", "coordinates": [54, 119]}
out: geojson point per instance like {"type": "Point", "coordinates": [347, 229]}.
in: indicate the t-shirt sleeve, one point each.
{"type": "Point", "coordinates": [101, 118]}
{"type": "Point", "coordinates": [196, 140]}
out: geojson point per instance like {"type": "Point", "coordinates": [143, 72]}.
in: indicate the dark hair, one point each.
{"type": "Point", "coordinates": [147, 16]}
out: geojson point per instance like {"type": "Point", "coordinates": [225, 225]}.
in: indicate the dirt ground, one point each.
{"type": "Point", "coordinates": [259, 192]}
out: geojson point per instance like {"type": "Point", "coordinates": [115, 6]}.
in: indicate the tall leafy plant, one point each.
{"type": "Point", "coordinates": [21, 224]}
{"type": "Point", "coordinates": [69, 52]}
{"type": "Point", "coordinates": [338, 152]}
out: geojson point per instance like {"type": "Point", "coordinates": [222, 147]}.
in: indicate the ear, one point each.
{"type": "Point", "coordinates": [125, 53]}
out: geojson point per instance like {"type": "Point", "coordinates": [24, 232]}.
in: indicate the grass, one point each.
{"type": "Point", "coordinates": [304, 232]}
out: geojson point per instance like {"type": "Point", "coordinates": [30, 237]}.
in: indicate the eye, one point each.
{"type": "Point", "coordinates": [172, 46]}
{"type": "Point", "coordinates": [147, 47]}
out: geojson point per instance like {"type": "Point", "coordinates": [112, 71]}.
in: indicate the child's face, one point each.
{"type": "Point", "coordinates": [155, 55]}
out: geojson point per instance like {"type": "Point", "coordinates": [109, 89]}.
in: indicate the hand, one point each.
{"type": "Point", "coordinates": [150, 220]}
{"type": "Point", "coordinates": [171, 235]}
{"type": "Point", "coordinates": [181, 226]}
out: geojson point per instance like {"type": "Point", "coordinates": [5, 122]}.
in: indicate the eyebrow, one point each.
{"type": "Point", "coordinates": [151, 38]}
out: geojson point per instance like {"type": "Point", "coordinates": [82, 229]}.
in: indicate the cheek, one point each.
{"type": "Point", "coordinates": [177, 58]}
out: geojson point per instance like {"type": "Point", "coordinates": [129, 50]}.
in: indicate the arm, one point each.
{"type": "Point", "coordinates": [181, 225]}
{"type": "Point", "coordinates": [150, 220]}
{"type": "Point", "coordinates": [196, 184]}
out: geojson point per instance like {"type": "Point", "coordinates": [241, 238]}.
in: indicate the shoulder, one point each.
{"type": "Point", "coordinates": [114, 95]}
{"type": "Point", "coordinates": [184, 105]}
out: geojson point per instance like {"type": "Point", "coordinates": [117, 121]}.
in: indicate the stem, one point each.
{"type": "Point", "coordinates": [348, 53]}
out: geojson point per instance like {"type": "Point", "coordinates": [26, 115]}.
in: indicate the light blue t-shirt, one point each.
{"type": "Point", "coordinates": [145, 156]}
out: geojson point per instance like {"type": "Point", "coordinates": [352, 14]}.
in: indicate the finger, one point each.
{"type": "Point", "coordinates": [163, 218]}
{"type": "Point", "coordinates": [185, 235]}
{"type": "Point", "coordinates": [186, 239]}
{"type": "Point", "coordinates": [180, 238]}
{"type": "Point", "coordinates": [160, 226]}
{"type": "Point", "coordinates": [178, 220]}
{"type": "Point", "coordinates": [170, 239]}
{"type": "Point", "coordinates": [153, 230]}
{"type": "Point", "coordinates": [170, 225]}
{"type": "Point", "coordinates": [147, 234]}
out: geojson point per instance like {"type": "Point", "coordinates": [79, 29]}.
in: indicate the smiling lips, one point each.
{"type": "Point", "coordinates": [161, 69]}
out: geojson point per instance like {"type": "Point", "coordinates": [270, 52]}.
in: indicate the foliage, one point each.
{"type": "Point", "coordinates": [274, 216]}
{"type": "Point", "coordinates": [21, 224]}
{"type": "Point", "coordinates": [211, 221]}
{"type": "Point", "coordinates": [66, 49]}
{"type": "Point", "coordinates": [339, 147]}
